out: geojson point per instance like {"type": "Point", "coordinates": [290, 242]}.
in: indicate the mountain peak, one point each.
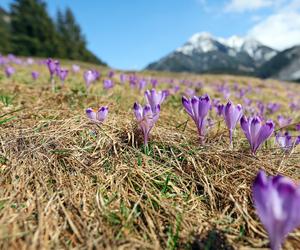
{"type": "Point", "coordinates": [205, 53]}
{"type": "Point", "coordinates": [200, 36]}
{"type": "Point", "coordinates": [200, 42]}
{"type": "Point", "coordinates": [234, 42]}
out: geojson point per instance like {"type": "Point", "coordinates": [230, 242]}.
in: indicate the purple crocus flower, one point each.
{"type": "Point", "coordinates": [277, 203]}
{"type": "Point", "coordinates": [286, 141]}
{"type": "Point", "coordinates": [247, 101]}
{"type": "Point", "coordinates": [256, 132]}
{"type": "Point", "coordinates": [232, 115]}
{"type": "Point", "coordinates": [154, 82]}
{"type": "Point", "coordinates": [35, 75]}
{"type": "Point", "coordinates": [220, 109]}
{"type": "Point", "coordinates": [11, 57]}
{"type": "Point", "coordinates": [155, 98]}
{"type": "Point", "coordinates": [261, 107]}
{"type": "Point", "coordinates": [29, 61]}
{"type": "Point", "coordinates": [63, 73]}
{"type": "Point", "coordinates": [283, 121]}
{"type": "Point", "coordinates": [75, 68]}
{"type": "Point", "coordinates": [146, 118]}
{"type": "Point", "coordinates": [89, 77]}
{"type": "Point", "coordinates": [190, 92]}
{"type": "Point", "coordinates": [175, 89]}
{"type": "Point", "coordinates": [52, 66]}
{"type": "Point", "coordinates": [223, 89]}
{"type": "Point", "coordinates": [273, 107]}
{"type": "Point", "coordinates": [215, 102]}
{"type": "Point", "coordinates": [133, 80]}
{"type": "Point", "coordinates": [110, 74]}
{"type": "Point", "coordinates": [108, 84]}
{"type": "Point", "coordinates": [294, 106]}
{"type": "Point", "coordinates": [9, 71]}
{"type": "Point", "coordinates": [241, 93]}
{"type": "Point", "coordinates": [197, 108]}
{"type": "Point", "coordinates": [298, 127]}
{"type": "Point", "coordinates": [97, 74]}
{"type": "Point", "coordinates": [97, 116]}
{"type": "Point", "coordinates": [123, 78]}
{"type": "Point", "coordinates": [2, 60]}
{"type": "Point", "coordinates": [142, 84]}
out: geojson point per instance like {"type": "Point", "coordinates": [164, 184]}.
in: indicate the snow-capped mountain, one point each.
{"type": "Point", "coordinates": [284, 66]}
{"type": "Point", "coordinates": [205, 53]}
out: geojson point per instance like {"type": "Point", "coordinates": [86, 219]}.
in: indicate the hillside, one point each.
{"type": "Point", "coordinates": [67, 182]}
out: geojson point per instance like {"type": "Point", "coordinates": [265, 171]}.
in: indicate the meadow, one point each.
{"type": "Point", "coordinates": [67, 182]}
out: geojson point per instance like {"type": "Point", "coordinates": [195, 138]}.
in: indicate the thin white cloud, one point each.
{"type": "Point", "coordinates": [248, 5]}
{"type": "Point", "coordinates": [281, 29]}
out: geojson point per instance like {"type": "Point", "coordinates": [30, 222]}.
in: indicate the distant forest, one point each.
{"type": "Point", "coordinates": [28, 30]}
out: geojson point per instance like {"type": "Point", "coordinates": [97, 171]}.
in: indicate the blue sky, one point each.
{"type": "Point", "coordinates": [129, 34]}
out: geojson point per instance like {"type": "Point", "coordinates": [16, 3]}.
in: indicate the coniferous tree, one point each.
{"type": "Point", "coordinates": [28, 30]}
{"type": "Point", "coordinates": [70, 31]}
{"type": "Point", "coordinates": [4, 32]}
{"type": "Point", "coordinates": [33, 32]}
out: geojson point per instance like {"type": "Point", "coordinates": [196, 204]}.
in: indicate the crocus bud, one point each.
{"type": "Point", "coordinates": [232, 114]}
{"type": "Point", "coordinates": [63, 73]}
{"type": "Point", "coordinates": [35, 75]}
{"type": "Point", "coordinates": [89, 77]}
{"type": "Point", "coordinates": [110, 74]}
{"type": "Point", "coordinates": [146, 118]}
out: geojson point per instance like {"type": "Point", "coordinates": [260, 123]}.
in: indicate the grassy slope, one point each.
{"type": "Point", "coordinates": [68, 183]}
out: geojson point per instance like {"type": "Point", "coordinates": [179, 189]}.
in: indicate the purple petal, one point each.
{"type": "Point", "coordinates": [102, 113]}
{"type": "Point", "coordinates": [91, 114]}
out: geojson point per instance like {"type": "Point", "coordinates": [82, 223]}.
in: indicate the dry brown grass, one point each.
{"type": "Point", "coordinates": [67, 183]}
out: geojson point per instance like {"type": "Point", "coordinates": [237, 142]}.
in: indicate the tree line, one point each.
{"type": "Point", "coordinates": [28, 30]}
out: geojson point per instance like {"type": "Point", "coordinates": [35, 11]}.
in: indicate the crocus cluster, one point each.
{"type": "Point", "coordinates": [284, 121]}
{"type": "Point", "coordinates": [197, 108]}
{"type": "Point", "coordinates": [97, 116]}
{"type": "Point", "coordinates": [148, 115]}
{"type": "Point", "coordinates": [256, 131]}
{"type": "Point", "coordinates": [146, 118]}
{"type": "Point", "coordinates": [155, 98]}
{"type": "Point", "coordinates": [53, 66]}
{"type": "Point", "coordinates": [277, 203]}
{"type": "Point", "coordinates": [286, 141]}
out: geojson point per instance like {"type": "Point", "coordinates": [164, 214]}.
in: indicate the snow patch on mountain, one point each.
{"type": "Point", "coordinates": [199, 42]}
{"type": "Point", "coordinates": [205, 42]}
